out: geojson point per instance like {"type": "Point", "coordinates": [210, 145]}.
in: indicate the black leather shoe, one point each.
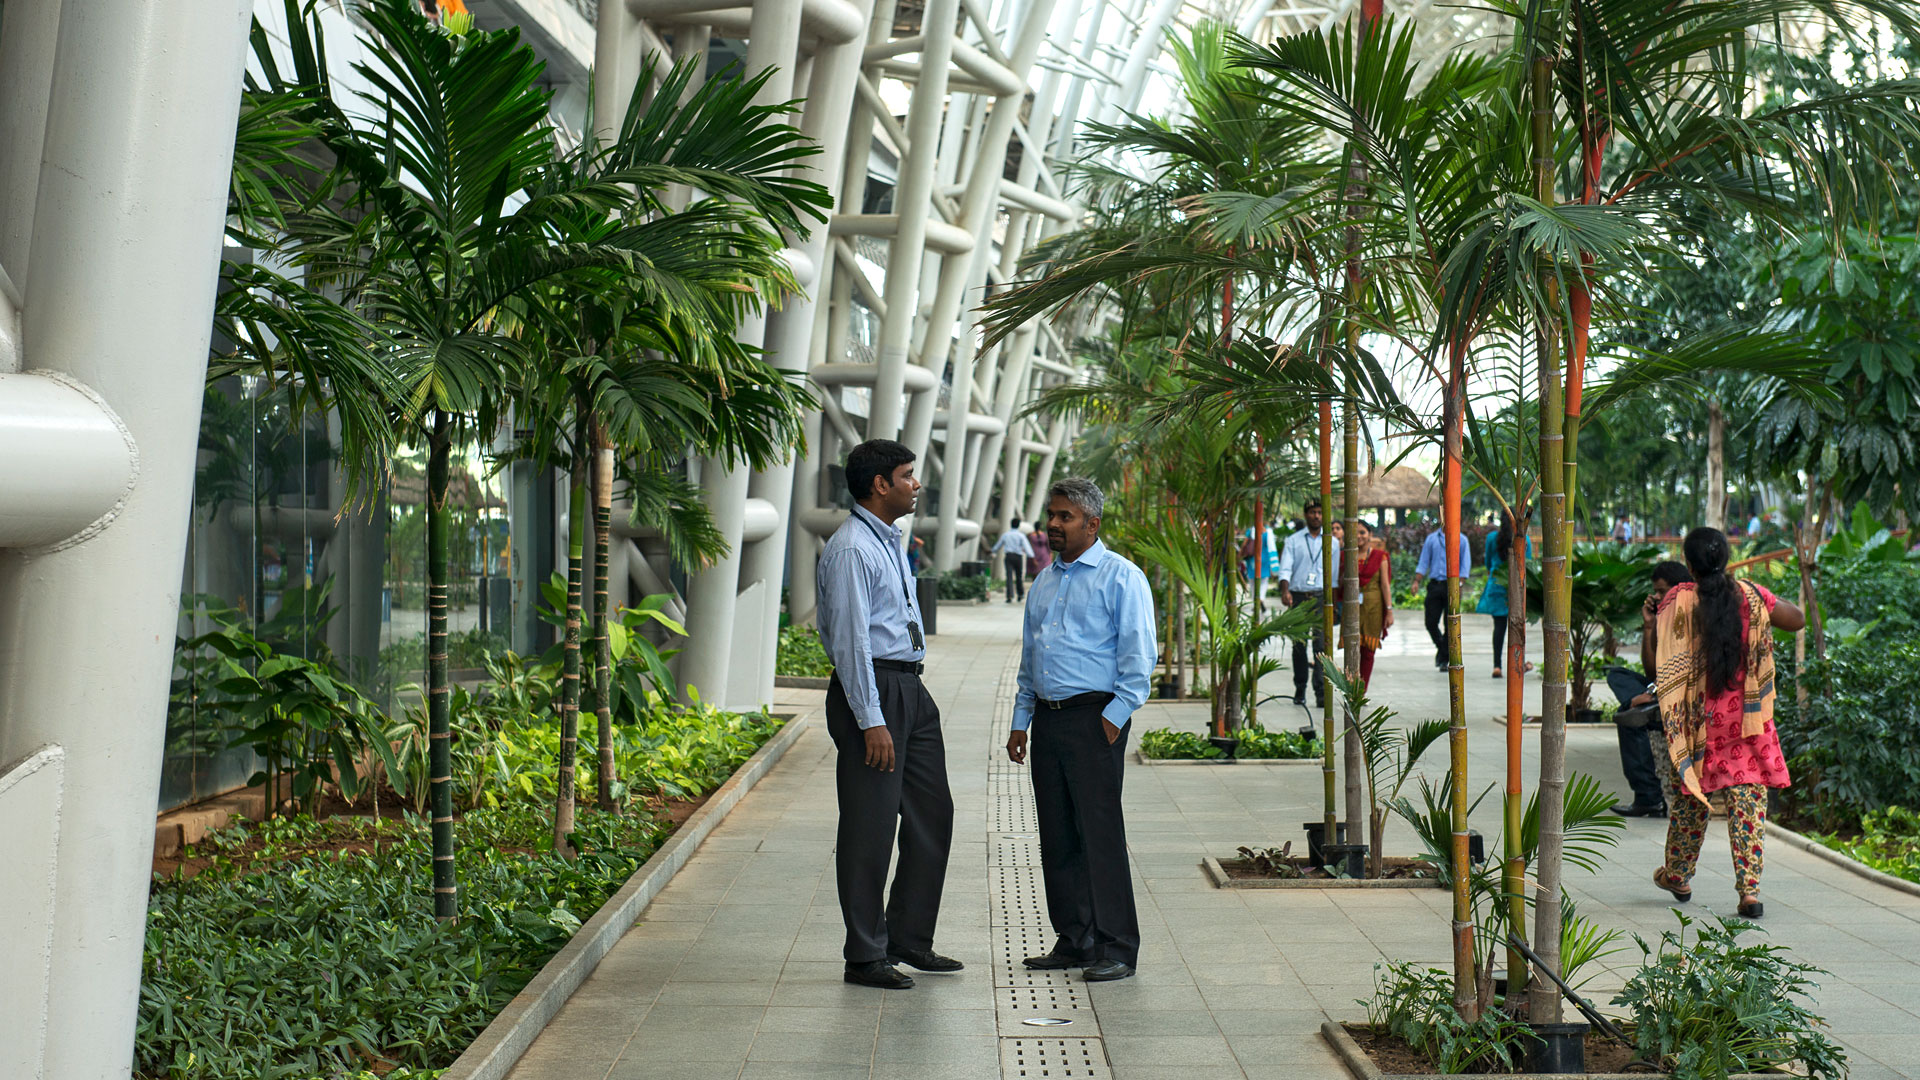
{"type": "Point", "coordinates": [1636, 810]}
{"type": "Point", "coordinates": [879, 974]}
{"type": "Point", "coordinates": [1299, 697]}
{"type": "Point", "coordinates": [924, 959]}
{"type": "Point", "coordinates": [1054, 961]}
{"type": "Point", "coordinates": [1107, 971]}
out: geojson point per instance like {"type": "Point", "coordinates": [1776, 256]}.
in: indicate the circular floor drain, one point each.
{"type": "Point", "coordinates": [1047, 1021]}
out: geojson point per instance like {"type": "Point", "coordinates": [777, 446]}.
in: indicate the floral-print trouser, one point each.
{"type": "Point", "coordinates": [1746, 826]}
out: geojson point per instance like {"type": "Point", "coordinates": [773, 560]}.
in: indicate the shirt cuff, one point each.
{"type": "Point", "coordinates": [1116, 713]}
{"type": "Point", "coordinates": [871, 720]}
{"type": "Point", "coordinates": [1022, 718]}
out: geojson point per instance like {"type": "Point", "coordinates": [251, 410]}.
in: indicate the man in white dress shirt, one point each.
{"type": "Point", "coordinates": [1014, 550]}
{"type": "Point", "coordinates": [1302, 580]}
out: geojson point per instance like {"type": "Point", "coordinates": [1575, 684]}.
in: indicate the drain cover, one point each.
{"type": "Point", "coordinates": [1047, 1021]}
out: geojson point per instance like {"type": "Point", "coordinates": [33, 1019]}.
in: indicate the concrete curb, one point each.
{"type": "Point", "coordinates": [1363, 1068]}
{"type": "Point", "coordinates": [802, 682]}
{"type": "Point", "coordinates": [500, 1047]}
{"type": "Point", "coordinates": [1138, 760]}
{"type": "Point", "coordinates": [1820, 850]}
{"type": "Point", "coordinates": [1222, 880]}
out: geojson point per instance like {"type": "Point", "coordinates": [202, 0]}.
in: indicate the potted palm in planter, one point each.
{"type": "Point", "coordinates": [1608, 583]}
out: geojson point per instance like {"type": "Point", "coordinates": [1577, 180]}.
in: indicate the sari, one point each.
{"type": "Point", "coordinates": [1681, 679]}
{"type": "Point", "coordinates": [1373, 600]}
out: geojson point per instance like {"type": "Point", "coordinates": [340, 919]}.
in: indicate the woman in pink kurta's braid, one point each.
{"type": "Point", "coordinates": [1714, 675]}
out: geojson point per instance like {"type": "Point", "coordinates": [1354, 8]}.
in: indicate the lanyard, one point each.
{"type": "Point", "coordinates": [894, 548]}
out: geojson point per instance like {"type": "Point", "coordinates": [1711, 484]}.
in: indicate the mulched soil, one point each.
{"type": "Point", "coordinates": [1394, 869]}
{"type": "Point", "coordinates": [1392, 1054]}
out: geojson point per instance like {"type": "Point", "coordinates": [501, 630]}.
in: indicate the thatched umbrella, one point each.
{"type": "Point", "coordinates": [1402, 488]}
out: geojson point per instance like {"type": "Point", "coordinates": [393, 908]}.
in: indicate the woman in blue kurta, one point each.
{"type": "Point", "coordinates": [1493, 600]}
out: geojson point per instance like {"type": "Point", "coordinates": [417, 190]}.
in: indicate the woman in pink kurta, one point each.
{"type": "Point", "coordinates": [1715, 679]}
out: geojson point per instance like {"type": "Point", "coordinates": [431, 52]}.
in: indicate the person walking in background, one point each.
{"type": "Point", "coordinates": [1301, 580]}
{"type": "Point", "coordinates": [1715, 682]}
{"type": "Point", "coordinates": [1086, 661]}
{"type": "Point", "coordinates": [1433, 568]}
{"type": "Point", "coordinates": [917, 555]}
{"type": "Point", "coordinates": [1014, 550]}
{"type": "Point", "coordinates": [1493, 598]}
{"type": "Point", "coordinates": [1651, 780]}
{"type": "Point", "coordinates": [1042, 554]}
{"type": "Point", "coordinates": [1376, 597]}
{"type": "Point", "coordinates": [892, 766]}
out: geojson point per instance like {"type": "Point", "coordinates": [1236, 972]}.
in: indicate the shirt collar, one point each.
{"type": "Point", "coordinates": [871, 516]}
{"type": "Point", "coordinates": [1089, 558]}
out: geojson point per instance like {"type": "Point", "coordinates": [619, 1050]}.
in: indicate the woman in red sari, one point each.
{"type": "Point", "coordinates": [1376, 599]}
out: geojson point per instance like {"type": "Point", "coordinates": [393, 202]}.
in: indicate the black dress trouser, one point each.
{"type": "Point", "coordinates": [1083, 839]}
{"type": "Point", "coordinates": [1306, 668]}
{"type": "Point", "coordinates": [912, 799]}
{"type": "Point", "coordinates": [1437, 620]}
{"type": "Point", "coordinates": [1016, 565]}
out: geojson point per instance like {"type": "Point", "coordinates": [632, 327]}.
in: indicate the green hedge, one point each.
{"type": "Point", "coordinates": [1255, 742]}
{"type": "Point", "coordinates": [801, 653]}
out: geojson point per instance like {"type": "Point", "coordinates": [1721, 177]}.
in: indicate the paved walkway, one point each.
{"type": "Point", "coordinates": [734, 972]}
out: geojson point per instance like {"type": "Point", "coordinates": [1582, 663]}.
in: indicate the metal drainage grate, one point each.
{"type": "Point", "coordinates": [1052, 1059]}
{"type": "Point", "coordinates": [1041, 1000]}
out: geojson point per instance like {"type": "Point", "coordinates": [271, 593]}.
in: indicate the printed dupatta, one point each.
{"type": "Point", "coordinates": [1681, 678]}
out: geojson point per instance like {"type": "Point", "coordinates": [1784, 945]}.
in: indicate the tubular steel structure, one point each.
{"type": "Point", "coordinates": [942, 123]}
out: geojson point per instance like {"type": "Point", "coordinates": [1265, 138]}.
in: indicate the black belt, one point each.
{"type": "Point", "coordinates": [1078, 701]}
{"type": "Point", "coordinates": [911, 667]}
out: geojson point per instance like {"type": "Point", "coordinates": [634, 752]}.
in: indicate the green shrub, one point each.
{"type": "Point", "coordinates": [801, 653]}
{"type": "Point", "coordinates": [1416, 1004]}
{"type": "Point", "coordinates": [1855, 746]}
{"type": "Point", "coordinates": [1715, 1007]}
{"type": "Point", "coordinates": [1889, 842]}
{"type": "Point", "coordinates": [1255, 742]}
{"type": "Point", "coordinates": [962, 587]}
{"type": "Point", "coordinates": [1886, 593]}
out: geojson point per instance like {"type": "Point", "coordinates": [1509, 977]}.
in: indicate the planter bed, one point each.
{"type": "Point", "coordinates": [1140, 760]}
{"type": "Point", "coordinates": [242, 939]}
{"type": "Point", "coordinates": [1371, 1056]}
{"type": "Point", "coordinates": [1224, 877]}
{"type": "Point", "coordinates": [1840, 859]}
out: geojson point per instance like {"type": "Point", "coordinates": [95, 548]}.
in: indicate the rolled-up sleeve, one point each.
{"type": "Point", "coordinates": [844, 603]}
{"type": "Point", "coordinates": [1135, 649]}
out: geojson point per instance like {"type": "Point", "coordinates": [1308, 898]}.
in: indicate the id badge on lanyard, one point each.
{"type": "Point", "coordinates": [914, 636]}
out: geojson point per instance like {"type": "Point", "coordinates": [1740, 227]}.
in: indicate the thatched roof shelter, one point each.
{"type": "Point", "coordinates": [1403, 488]}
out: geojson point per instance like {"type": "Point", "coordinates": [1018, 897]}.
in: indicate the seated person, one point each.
{"type": "Point", "coordinates": [1640, 710]}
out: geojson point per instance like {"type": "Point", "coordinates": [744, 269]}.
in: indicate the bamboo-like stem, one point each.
{"type": "Point", "coordinates": [1466, 999]}
{"type": "Point", "coordinates": [1328, 774]}
{"type": "Point", "coordinates": [1543, 999]}
{"type": "Point", "coordinates": [563, 809]}
{"type": "Point", "coordinates": [446, 896]}
{"type": "Point", "coordinates": [1514, 872]}
{"type": "Point", "coordinates": [602, 642]}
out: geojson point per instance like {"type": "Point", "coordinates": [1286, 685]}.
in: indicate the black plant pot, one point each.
{"type": "Point", "coordinates": [1558, 1048]}
{"type": "Point", "coordinates": [1169, 689]}
{"type": "Point", "coordinates": [1586, 716]}
{"type": "Point", "coordinates": [1227, 744]}
{"type": "Point", "coordinates": [1317, 840]}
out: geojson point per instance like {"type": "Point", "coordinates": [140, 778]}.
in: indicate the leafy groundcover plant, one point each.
{"type": "Point", "coordinates": [307, 948]}
{"type": "Point", "coordinates": [1255, 742]}
{"type": "Point", "coordinates": [1712, 1007]}
{"type": "Point", "coordinates": [801, 653]}
{"type": "Point", "coordinates": [1889, 841]}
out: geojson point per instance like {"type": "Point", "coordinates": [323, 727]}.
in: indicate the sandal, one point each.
{"type": "Point", "coordinates": [1496, 673]}
{"type": "Point", "coordinates": [1661, 880]}
{"type": "Point", "coordinates": [1751, 907]}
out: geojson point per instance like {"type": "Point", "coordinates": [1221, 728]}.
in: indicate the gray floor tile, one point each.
{"type": "Point", "coordinates": [813, 1047]}
{"type": "Point", "coordinates": [1169, 1050]}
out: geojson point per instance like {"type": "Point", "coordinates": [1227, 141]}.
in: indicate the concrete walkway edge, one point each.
{"type": "Point", "coordinates": [505, 1041]}
{"type": "Point", "coordinates": [1820, 850]}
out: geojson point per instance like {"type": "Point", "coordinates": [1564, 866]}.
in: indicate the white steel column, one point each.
{"type": "Point", "coordinates": [127, 228]}
{"type": "Point", "coordinates": [912, 201]}
{"type": "Point", "coordinates": [790, 331]}
{"type": "Point", "coordinates": [713, 596]}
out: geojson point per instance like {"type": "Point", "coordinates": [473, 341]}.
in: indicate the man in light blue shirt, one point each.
{"type": "Point", "coordinates": [1302, 577]}
{"type": "Point", "coordinates": [1014, 550]}
{"type": "Point", "coordinates": [1433, 567]}
{"type": "Point", "coordinates": [892, 768]}
{"type": "Point", "coordinates": [1086, 660]}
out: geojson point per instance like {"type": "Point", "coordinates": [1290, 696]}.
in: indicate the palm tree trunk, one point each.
{"type": "Point", "coordinates": [563, 809]}
{"type": "Point", "coordinates": [1543, 999]}
{"type": "Point", "coordinates": [1466, 998]}
{"type": "Point", "coordinates": [602, 644]}
{"type": "Point", "coordinates": [1716, 515]}
{"type": "Point", "coordinates": [1331, 819]}
{"type": "Point", "coordinates": [1514, 875]}
{"type": "Point", "coordinates": [446, 898]}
